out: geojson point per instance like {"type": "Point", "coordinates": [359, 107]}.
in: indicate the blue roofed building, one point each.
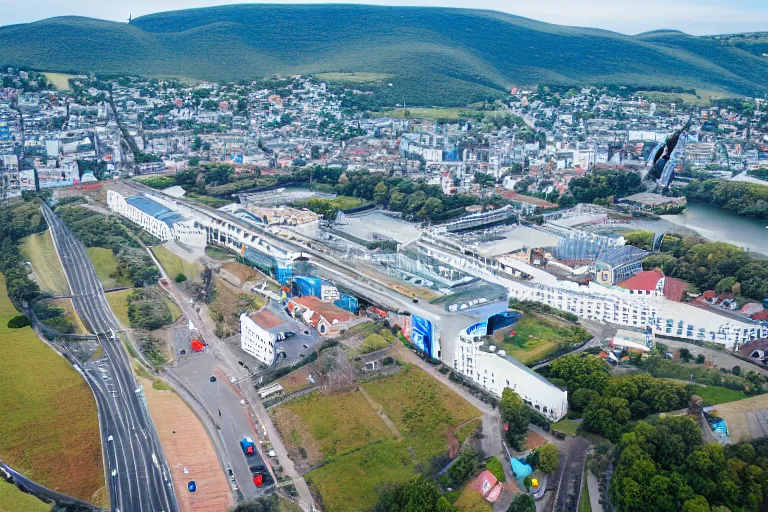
{"type": "Point", "coordinates": [157, 218]}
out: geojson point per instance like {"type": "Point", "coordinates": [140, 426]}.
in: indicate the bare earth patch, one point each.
{"type": "Point", "coordinates": [186, 446]}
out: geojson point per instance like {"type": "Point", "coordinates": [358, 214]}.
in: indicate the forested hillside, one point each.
{"type": "Point", "coordinates": [430, 56]}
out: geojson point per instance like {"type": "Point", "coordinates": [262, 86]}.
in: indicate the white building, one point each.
{"type": "Point", "coordinates": [495, 371]}
{"type": "Point", "coordinates": [157, 218]}
{"type": "Point", "coordinates": [258, 334]}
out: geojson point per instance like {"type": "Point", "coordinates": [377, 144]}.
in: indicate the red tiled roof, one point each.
{"type": "Point", "coordinates": [324, 309]}
{"type": "Point", "coordinates": [265, 319]}
{"type": "Point", "coordinates": [514, 196]}
{"type": "Point", "coordinates": [763, 315]}
{"type": "Point", "coordinates": [646, 280]}
{"type": "Point", "coordinates": [674, 288]}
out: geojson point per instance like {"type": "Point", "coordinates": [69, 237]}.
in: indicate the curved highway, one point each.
{"type": "Point", "coordinates": [139, 478]}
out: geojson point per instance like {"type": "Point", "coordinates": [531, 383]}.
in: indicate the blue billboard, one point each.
{"type": "Point", "coordinates": [423, 336]}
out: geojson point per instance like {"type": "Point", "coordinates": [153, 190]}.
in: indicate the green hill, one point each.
{"type": "Point", "coordinates": [432, 56]}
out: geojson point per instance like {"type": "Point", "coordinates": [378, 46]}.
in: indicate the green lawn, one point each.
{"type": "Point", "coordinates": [105, 264]}
{"type": "Point", "coordinates": [59, 80]}
{"type": "Point", "coordinates": [175, 310]}
{"type": "Point", "coordinates": [566, 426]}
{"type": "Point", "coordinates": [367, 453]}
{"type": "Point", "coordinates": [39, 250]}
{"type": "Point", "coordinates": [118, 301]}
{"type": "Point", "coordinates": [158, 182]}
{"type": "Point", "coordinates": [431, 114]}
{"type": "Point", "coordinates": [585, 505]}
{"type": "Point", "coordinates": [338, 424]}
{"type": "Point", "coordinates": [14, 500]}
{"type": "Point", "coordinates": [47, 411]}
{"type": "Point", "coordinates": [175, 265]}
{"type": "Point", "coordinates": [538, 337]}
{"type": "Point", "coordinates": [220, 254]}
{"type": "Point", "coordinates": [713, 395]}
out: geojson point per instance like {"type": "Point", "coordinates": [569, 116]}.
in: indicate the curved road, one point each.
{"type": "Point", "coordinates": [139, 479]}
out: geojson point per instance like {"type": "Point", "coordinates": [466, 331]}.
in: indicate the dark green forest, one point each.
{"type": "Point", "coordinates": [431, 56]}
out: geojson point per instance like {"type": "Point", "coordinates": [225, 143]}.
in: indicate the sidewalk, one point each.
{"type": "Point", "coordinates": [594, 492]}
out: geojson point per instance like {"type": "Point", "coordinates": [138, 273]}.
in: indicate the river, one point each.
{"type": "Point", "coordinates": [712, 223]}
{"type": "Point", "coordinates": [722, 225]}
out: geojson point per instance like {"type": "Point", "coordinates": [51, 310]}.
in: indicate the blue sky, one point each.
{"type": "Point", "coordinates": [626, 16]}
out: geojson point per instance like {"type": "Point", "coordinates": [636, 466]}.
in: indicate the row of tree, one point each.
{"type": "Point", "coordinates": [715, 266]}
{"type": "Point", "coordinates": [747, 199]}
{"type": "Point", "coordinates": [665, 467]}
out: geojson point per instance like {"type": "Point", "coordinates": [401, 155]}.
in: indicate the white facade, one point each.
{"type": "Point", "coordinates": [611, 305]}
{"type": "Point", "coordinates": [494, 372]}
{"type": "Point", "coordinates": [256, 340]}
{"type": "Point", "coordinates": [157, 228]}
{"type": "Point", "coordinates": [183, 230]}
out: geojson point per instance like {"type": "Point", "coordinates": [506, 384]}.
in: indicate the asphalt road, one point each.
{"type": "Point", "coordinates": [138, 475]}
{"type": "Point", "coordinates": [230, 417]}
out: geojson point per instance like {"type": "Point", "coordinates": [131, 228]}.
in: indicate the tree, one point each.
{"type": "Point", "coordinates": [522, 503]}
{"type": "Point", "coordinates": [515, 415]}
{"type": "Point", "coordinates": [197, 143]}
{"type": "Point", "coordinates": [698, 504]}
{"type": "Point", "coordinates": [700, 359]}
{"type": "Point", "coordinates": [421, 493]}
{"type": "Point", "coordinates": [180, 278]}
{"type": "Point", "coordinates": [380, 193]}
{"type": "Point", "coordinates": [580, 371]}
{"type": "Point", "coordinates": [549, 458]}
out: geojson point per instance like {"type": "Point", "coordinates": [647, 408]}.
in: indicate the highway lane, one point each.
{"type": "Point", "coordinates": [138, 473]}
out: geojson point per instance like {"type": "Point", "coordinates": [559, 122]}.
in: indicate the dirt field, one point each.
{"type": "Point", "coordinates": [188, 448]}
{"type": "Point", "coordinates": [746, 419]}
{"type": "Point", "coordinates": [299, 379]}
{"type": "Point", "coordinates": [242, 272]}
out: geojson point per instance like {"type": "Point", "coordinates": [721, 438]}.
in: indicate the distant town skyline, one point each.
{"type": "Point", "coordinates": [694, 17]}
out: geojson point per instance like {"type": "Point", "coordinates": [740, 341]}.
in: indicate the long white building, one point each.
{"type": "Point", "coordinates": [595, 302]}
{"type": "Point", "coordinates": [157, 219]}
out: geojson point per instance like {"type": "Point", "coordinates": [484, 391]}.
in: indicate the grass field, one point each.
{"type": "Point", "coordinates": [14, 500]}
{"type": "Point", "coordinates": [714, 395]}
{"type": "Point", "coordinates": [158, 182]}
{"type": "Point", "coordinates": [175, 310]}
{"type": "Point", "coordinates": [584, 503]}
{"type": "Point", "coordinates": [355, 78]}
{"type": "Point", "coordinates": [431, 114]}
{"type": "Point", "coordinates": [48, 411]}
{"type": "Point", "coordinates": [175, 265]}
{"type": "Point", "coordinates": [566, 426]}
{"type": "Point", "coordinates": [220, 254]}
{"type": "Point", "coordinates": [72, 316]}
{"type": "Point", "coordinates": [118, 301]}
{"type": "Point", "coordinates": [39, 250]}
{"type": "Point", "coordinates": [701, 98]}
{"type": "Point", "coordinates": [537, 337]}
{"type": "Point", "coordinates": [105, 264]}
{"type": "Point", "coordinates": [59, 80]}
{"type": "Point", "coordinates": [367, 453]}
{"type": "Point", "coordinates": [330, 425]}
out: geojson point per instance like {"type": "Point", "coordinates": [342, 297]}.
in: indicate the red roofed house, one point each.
{"type": "Point", "coordinates": [323, 316]}
{"type": "Point", "coordinates": [647, 282]}
{"type": "Point", "coordinates": [487, 485]}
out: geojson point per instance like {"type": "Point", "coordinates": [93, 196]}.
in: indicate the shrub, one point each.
{"type": "Point", "coordinates": [180, 278]}
{"type": "Point", "coordinates": [372, 343]}
{"type": "Point", "coordinates": [18, 322]}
